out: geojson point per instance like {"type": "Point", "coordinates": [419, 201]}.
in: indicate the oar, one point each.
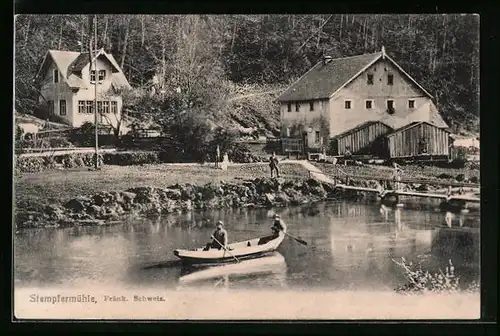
{"type": "Point", "coordinates": [232, 255]}
{"type": "Point", "coordinates": [303, 242]}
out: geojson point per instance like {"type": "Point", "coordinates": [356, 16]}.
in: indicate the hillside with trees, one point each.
{"type": "Point", "coordinates": [227, 70]}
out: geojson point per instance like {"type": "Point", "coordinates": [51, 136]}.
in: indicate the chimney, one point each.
{"type": "Point", "coordinates": [383, 52]}
{"type": "Point", "coordinates": [327, 59]}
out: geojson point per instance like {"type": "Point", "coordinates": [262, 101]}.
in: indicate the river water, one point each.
{"type": "Point", "coordinates": [350, 246]}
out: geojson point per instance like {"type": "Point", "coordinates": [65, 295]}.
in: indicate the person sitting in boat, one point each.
{"type": "Point", "coordinates": [278, 226]}
{"type": "Point", "coordinates": [218, 237]}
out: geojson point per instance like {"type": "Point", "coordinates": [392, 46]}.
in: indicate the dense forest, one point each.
{"type": "Point", "coordinates": [228, 69]}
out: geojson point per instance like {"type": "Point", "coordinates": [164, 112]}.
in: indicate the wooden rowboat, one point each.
{"type": "Point", "coordinates": [247, 249]}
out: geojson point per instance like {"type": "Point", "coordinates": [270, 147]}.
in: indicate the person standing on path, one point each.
{"type": "Point", "coordinates": [273, 164]}
{"type": "Point", "coordinates": [225, 162]}
{"type": "Point", "coordinates": [217, 156]}
{"type": "Point", "coordinates": [396, 175]}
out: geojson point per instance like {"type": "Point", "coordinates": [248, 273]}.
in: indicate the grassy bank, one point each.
{"type": "Point", "coordinates": [61, 185]}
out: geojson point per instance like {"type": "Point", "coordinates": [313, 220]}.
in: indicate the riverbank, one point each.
{"type": "Point", "coordinates": [142, 190]}
{"type": "Point", "coordinates": [74, 197]}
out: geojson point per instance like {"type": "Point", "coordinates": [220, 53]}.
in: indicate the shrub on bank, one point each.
{"type": "Point", "coordinates": [35, 164]}
{"type": "Point", "coordinates": [75, 160]}
{"type": "Point", "coordinates": [131, 158]}
{"type": "Point", "coordinates": [422, 280]}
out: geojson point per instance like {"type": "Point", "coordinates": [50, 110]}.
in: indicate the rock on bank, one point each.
{"type": "Point", "coordinates": [104, 207]}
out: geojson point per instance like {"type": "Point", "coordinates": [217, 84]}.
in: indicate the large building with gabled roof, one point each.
{"type": "Point", "coordinates": [67, 83]}
{"type": "Point", "coordinates": [337, 95]}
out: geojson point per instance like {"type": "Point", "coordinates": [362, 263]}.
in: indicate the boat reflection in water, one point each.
{"type": "Point", "coordinates": [268, 271]}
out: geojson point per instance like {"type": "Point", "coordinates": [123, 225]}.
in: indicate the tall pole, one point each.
{"type": "Point", "coordinates": [96, 77]}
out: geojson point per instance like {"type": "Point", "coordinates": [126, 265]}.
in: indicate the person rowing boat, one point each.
{"type": "Point", "coordinates": [219, 238]}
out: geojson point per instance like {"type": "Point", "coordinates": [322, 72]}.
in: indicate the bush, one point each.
{"type": "Point", "coordinates": [422, 280]}
{"type": "Point", "coordinates": [59, 142]}
{"type": "Point", "coordinates": [459, 163]}
{"type": "Point", "coordinates": [240, 153]}
{"type": "Point", "coordinates": [133, 158]}
{"type": "Point", "coordinates": [85, 135]}
{"type": "Point", "coordinates": [41, 163]}
{"type": "Point", "coordinates": [35, 164]}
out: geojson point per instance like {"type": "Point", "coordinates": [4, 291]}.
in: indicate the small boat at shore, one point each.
{"type": "Point", "coordinates": [247, 249]}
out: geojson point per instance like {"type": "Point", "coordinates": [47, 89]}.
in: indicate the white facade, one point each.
{"type": "Point", "coordinates": [75, 105]}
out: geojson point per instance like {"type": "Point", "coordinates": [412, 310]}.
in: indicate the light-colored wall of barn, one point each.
{"type": "Point", "coordinates": [358, 91]}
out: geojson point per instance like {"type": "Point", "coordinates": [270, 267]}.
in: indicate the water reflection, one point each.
{"type": "Point", "coordinates": [350, 245]}
{"type": "Point", "coordinates": [269, 270]}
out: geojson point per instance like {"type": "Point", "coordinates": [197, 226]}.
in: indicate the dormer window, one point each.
{"type": "Point", "coordinates": [102, 75]}
{"type": "Point", "coordinates": [369, 79]}
{"type": "Point", "coordinates": [56, 76]}
{"type": "Point", "coordinates": [92, 75]}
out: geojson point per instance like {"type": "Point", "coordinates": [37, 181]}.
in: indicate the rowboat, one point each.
{"type": "Point", "coordinates": [272, 263]}
{"type": "Point", "coordinates": [247, 249]}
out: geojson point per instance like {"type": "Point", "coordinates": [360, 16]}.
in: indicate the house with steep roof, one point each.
{"type": "Point", "coordinates": [67, 81]}
{"type": "Point", "coordinates": [343, 94]}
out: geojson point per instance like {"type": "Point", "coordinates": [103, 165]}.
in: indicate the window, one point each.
{"type": "Point", "coordinates": [81, 106]}
{"type": "Point", "coordinates": [99, 106]}
{"type": "Point", "coordinates": [92, 75]}
{"type": "Point", "coordinates": [369, 79]}
{"type": "Point", "coordinates": [56, 76]}
{"type": "Point", "coordinates": [311, 106]}
{"type": "Point", "coordinates": [390, 79]}
{"type": "Point", "coordinates": [411, 103]}
{"type": "Point", "coordinates": [368, 104]}
{"type": "Point", "coordinates": [51, 106]}
{"type": "Point", "coordinates": [390, 106]}
{"type": "Point", "coordinates": [297, 107]}
{"type": "Point", "coordinates": [347, 104]}
{"type": "Point", "coordinates": [105, 106]}
{"type": "Point", "coordinates": [114, 107]}
{"type": "Point", "coordinates": [62, 107]}
{"type": "Point", "coordinates": [289, 107]}
{"type": "Point", "coordinates": [102, 75]}
{"type": "Point", "coordinates": [89, 106]}
{"type": "Point", "coordinates": [317, 137]}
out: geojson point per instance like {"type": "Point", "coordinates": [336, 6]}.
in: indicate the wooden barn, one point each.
{"type": "Point", "coordinates": [418, 139]}
{"type": "Point", "coordinates": [366, 138]}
